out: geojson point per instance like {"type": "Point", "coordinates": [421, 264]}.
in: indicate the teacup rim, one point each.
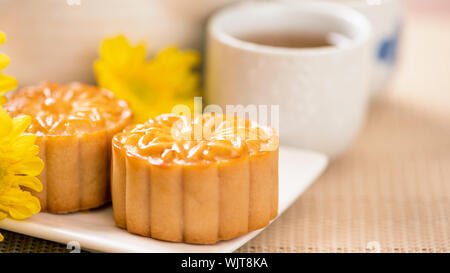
{"type": "Point", "coordinates": [365, 28]}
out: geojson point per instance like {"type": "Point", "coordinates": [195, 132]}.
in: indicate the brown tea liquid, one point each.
{"type": "Point", "coordinates": [295, 40]}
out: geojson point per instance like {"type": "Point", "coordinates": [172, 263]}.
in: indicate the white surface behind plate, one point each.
{"type": "Point", "coordinates": [95, 229]}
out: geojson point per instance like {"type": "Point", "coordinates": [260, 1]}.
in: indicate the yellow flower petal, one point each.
{"type": "Point", "coordinates": [20, 212]}
{"type": "Point", "coordinates": [16, 153]}
{"type": "Point", "coordinates": [29, 182]}
{"type": "Point", "coordinates": [6, 123]}
{"type": "Point", "coordinates": [7, 83]}
{"type": "Point", "coordinates": [2, 37]}
{"type": "Point", "coordinates": [29, 166]}
{"type": "Point", "coordinates": [22, 142]}
{"type": "Point", "coordinates": [150, 87]}
{"type": "Point", "coordinates": [21, 123]}
{"type": "Point", "coordinates": [19, 204]}
{"type": "Point", "coordinates": [118, 53]}
{"type": "Point", "coordinates": [4, 61]}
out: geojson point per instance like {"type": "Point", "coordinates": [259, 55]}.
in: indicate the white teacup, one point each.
{"type": "Point", "coordinates": [386, 17]}
{"type": "Point", "coordinates": [322, 92]}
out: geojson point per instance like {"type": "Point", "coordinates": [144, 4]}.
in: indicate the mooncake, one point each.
{"type": "Point", "coordinates": [196, 179]}
{"type": "Point", "coordinates": [74, 125]}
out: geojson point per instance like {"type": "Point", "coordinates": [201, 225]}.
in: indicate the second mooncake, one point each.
{"type": "Point", "coordinates": [74, 125]}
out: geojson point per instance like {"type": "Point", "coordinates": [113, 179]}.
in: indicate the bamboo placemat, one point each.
{"type": "Point", "coordinates": [391, 191]}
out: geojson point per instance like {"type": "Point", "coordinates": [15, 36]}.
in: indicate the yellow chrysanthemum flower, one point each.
{"type": "Point", "coordinates": [19, 161]}
{"type": "Point", "coordinates": [7, 83]}
{"type": "Point", "coordinates": [151, 87]}
{"type": "Point", "coordinates": [19, 166]}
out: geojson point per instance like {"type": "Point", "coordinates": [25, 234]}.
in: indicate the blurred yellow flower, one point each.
{"type": "Point", "coordinates": [151, 86]}
{"type": "Point", "coordinates": [7, 83]}
{"type": "Point", "coordinates": [19, 166]}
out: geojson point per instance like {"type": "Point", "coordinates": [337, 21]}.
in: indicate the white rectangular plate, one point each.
{"type": "Point", "coordinates": [95, 229]}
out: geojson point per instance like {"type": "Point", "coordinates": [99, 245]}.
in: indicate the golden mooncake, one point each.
{"type": "Point", "coordinates": [196, 179]}
{"type": "Point", "coordinates": [74, 125]}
